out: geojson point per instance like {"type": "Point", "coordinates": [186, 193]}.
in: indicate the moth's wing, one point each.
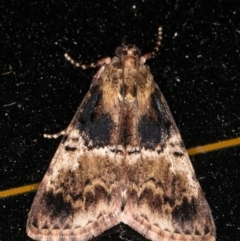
{"type": "Point", "coordinates": [80, 197]}
{"type": "Point", "coordinates": [165, 201]}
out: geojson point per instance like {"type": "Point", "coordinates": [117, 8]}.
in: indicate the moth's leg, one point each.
{"type": "Point", "coordinates": [98, 74]}
{"type": "Point", "coordinates": [56, 135]}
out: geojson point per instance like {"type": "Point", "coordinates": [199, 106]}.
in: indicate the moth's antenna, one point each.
{"type": "Point", "coordinates": [100, 62]}
{"type": "Point", "coordinates": [155, 49]}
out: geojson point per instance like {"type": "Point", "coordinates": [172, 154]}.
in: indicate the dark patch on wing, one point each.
{"type": "Point", "coordinates": [93, 123]}
{"type": "Point", "coordinates": [101, 193]}
{"type": "Point", "coordinates": [178, 154]}
{"type": "Point", "coordinates": [164, 120]}
{"type": "Point", "coordinates": [193, 215]}
{"type": "Point", "coordinates": [149, 132]}
{"type": "Point", "coordinates": [75, 139]}
{"type": "Point", "coordinates": [69, 148]}
{"type": "Point", "coordinates": [169, 200]}
{"type": "Point", "coordinates": [117, 151]}
{"type": "Point", "coordinates": [154, 201]}
{"type": "Point", "coordinates": [186, 212]}
{"type": "Point", "coordinates": [100, 131]}
{"type": "Point", "coordinates": [133, 152]}
{"type": "Point", "coordinates": [57, 207]}
{"type": "Point", "coordinates": [92, 198]}
{"type": "Point", "coordinates": [155, 127]}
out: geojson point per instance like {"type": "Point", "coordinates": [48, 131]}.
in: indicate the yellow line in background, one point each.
{"type": "Point", "coordinates": [214, 146]}
{"type": "Point", "coordinates": [191, 152]}
{"type": "Point", "coordinates": [19, 190]}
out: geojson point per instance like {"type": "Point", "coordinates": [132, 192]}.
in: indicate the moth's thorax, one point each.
{"type": "Point", "coordinates": [130, 62]}
{"type": "Point", "coordinates": [126, 79]}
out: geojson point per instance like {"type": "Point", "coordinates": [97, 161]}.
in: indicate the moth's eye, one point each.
{"type": "Point", "coordinates": [137, 52]}
{"type": "Point", "coordinates": [119, 51]}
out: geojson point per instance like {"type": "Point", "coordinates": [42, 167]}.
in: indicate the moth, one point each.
{"type": "Point", "coordinates": [121, 164]}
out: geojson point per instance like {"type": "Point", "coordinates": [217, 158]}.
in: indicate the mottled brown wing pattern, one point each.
{"type": "Point", "coordinates": [80, 195]}
{"type": "Point", "coordinates": [122, 161]}
{"type": "Point", "coordinates": [165, 201]}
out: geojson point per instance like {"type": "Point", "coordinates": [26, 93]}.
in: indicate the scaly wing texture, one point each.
{"type": "Point", "coordinates": [122, 160]}
{"type": "Point", "coordinates": [164, 200]}
{"type": "Point", "coordinates": [80, 195]}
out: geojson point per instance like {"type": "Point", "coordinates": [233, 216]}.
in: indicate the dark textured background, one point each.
{"type": "Point", "coordinates": [197, 70]}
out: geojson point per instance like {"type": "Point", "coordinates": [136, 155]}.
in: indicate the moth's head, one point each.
{"type": "Point", "coordinates": [128, 55]}
{"type": "Point", "coordinates": [127, 50]}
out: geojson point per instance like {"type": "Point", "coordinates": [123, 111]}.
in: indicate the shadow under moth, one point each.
{"type": "Point", "coordinates": [121, 164]}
